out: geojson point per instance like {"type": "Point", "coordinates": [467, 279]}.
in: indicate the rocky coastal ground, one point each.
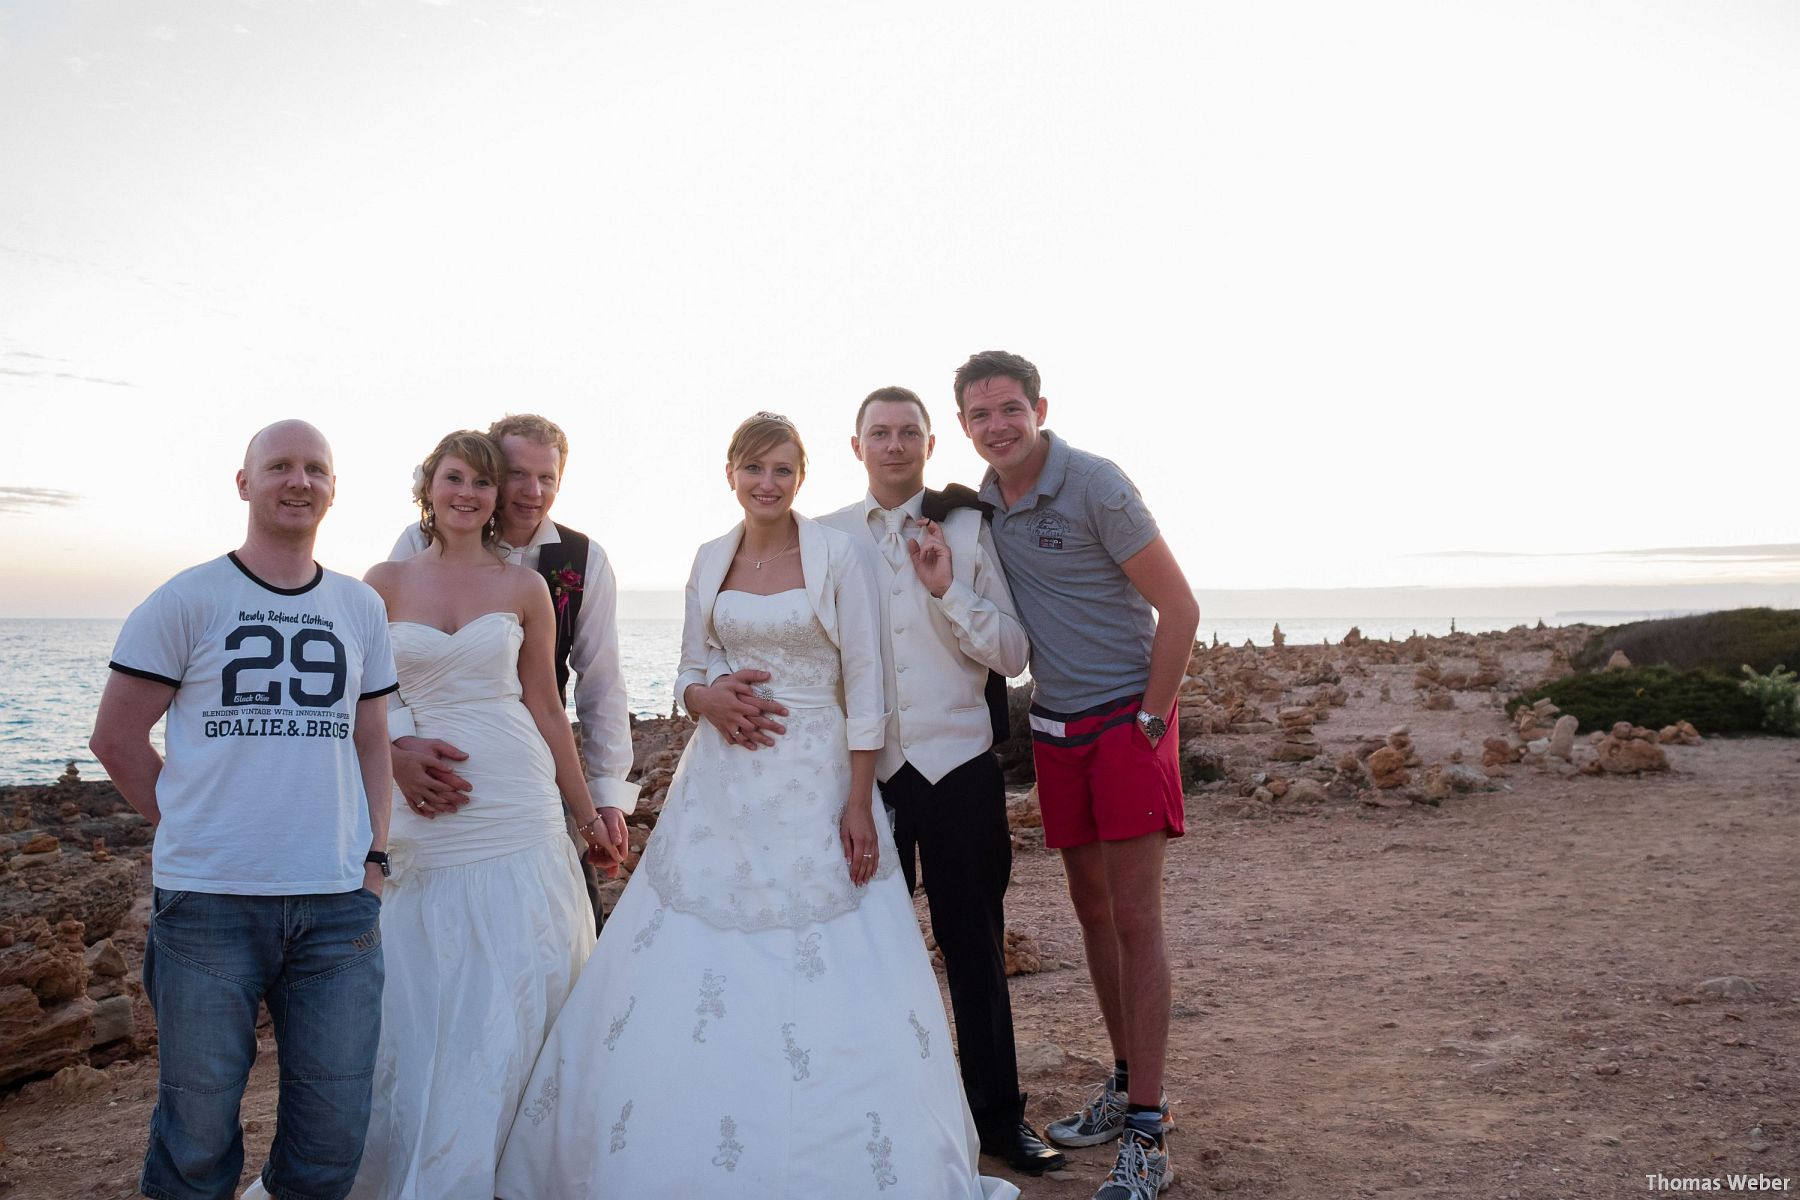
{"type": "Point", "coordinates": [1420, 948]}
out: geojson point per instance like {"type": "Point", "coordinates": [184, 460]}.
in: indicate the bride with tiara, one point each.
{"type": "Point", "coordinates": [759, 1018]}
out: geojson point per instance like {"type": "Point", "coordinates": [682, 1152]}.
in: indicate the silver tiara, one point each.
{"type": "Point", "coordinates": [770, 416]}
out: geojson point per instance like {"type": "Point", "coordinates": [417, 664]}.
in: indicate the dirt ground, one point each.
{"type": "Point", "coordinates": [1495, 998]}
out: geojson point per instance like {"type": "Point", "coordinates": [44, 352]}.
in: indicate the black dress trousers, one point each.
{"type": "Point", "coordinates": [957, 829]}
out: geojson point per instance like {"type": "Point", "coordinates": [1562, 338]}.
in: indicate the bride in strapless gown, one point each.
{"type": "Point", "coordinates": [485, 922]}
{"type": "Point", "coordinates": [754, 1024]}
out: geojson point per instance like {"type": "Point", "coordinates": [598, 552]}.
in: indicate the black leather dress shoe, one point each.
{"type": "Point", "coordinates": [1024, 1151]}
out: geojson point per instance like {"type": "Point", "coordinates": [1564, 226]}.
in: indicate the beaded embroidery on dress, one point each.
{"type": "Point", "coordinates": [750, 840]}
{"type": "Point", "coordinates": [751, 1026]}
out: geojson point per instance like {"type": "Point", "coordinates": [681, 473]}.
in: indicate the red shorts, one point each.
{"type": "Point", "coordinates": [1099, 780]}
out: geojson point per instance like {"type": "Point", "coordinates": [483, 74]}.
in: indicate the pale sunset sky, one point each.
{"type": "Point", "coordinates": [1360, 294]}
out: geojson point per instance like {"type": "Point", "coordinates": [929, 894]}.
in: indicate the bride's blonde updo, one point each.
{"type": "Point", "coordinates": [483, 454]}
{"type": "Point", "coordinates": [760, 433]}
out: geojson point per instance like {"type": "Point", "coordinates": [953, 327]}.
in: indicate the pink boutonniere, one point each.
{"type": "Point", "coordinates": [563, 584]}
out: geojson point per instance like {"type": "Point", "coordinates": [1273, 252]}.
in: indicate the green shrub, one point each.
{"type": "Point", "coordinates": [1777, 694]}
{"type": "Point", "coordinates": [1654, 697]}
{"type": "Point", "coordinates": [1720, 641]}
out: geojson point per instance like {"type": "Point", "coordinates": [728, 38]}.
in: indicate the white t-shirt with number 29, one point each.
{"type": "Point", "coordinates": [262, 791]}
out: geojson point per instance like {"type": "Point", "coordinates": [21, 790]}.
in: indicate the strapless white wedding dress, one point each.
{"type": "Point", "coordinates": [485, 924]}
{"type": "Point", "coordinates": [751, 1025]}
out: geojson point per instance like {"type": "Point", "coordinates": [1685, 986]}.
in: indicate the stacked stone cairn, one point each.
{"type": "Point", "coordinates": [1297, 742]}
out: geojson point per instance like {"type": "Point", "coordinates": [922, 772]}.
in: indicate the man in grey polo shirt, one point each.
{"type": "Point", "coordinates": [1111, 620]}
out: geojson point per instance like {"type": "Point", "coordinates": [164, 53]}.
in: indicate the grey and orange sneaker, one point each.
{"type": "Point", "coordinates": [1100, 1119]}
{"type": "Point", "coordinates": [1142, 1169]}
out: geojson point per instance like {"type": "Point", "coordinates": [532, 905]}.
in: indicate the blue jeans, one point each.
{"type": "Point", "coordinates": [316, 961]}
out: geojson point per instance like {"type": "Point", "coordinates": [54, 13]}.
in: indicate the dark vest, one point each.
{"type": "Point", "coordinates": [554, 558]}
{"type": "Point", "coordinates": [935, 507]}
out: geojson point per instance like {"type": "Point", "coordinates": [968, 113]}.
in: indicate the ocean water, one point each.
{"type": "Point", "coordinates": [53, 671]}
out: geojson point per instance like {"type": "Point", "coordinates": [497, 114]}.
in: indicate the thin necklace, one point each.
{"type": "Point", "coordinates": [758, 563]}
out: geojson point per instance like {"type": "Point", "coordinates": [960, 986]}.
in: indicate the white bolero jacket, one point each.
{"type": "Point", "coordinates": [840, 586]}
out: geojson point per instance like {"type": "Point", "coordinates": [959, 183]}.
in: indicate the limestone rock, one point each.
{"type": "Point", "coordinates": [1465, 779]}
{"type": "Point", "coordinates": [1387, 768]}
{"type": "Point", "coordinates": [103, 959]}
{"type": "Point", "coordinates": [1618, 661]}
{"type": "Point", "coordinates": [1254, 805]}
{"type": "Point", "coordinates": [1022, 956]}
{"type": "Point", "coordinates": [1306, 791]}
{"type": "Point", "coordinates": [1298, 716]}
{"type": "Point", "coordinates": [46, 1017]}
{"type": "Point", "coordinates": [609, 891]}
{"type": "Point", "coordinates": [72, 1083]}
{"type": "Point", "coordinates": [1630, 756]}
{"type": "Point", "coordinates": [1022, 811]}
{"type": "Point", "coordinates": [1726, 987]}
{"type": "Point", "coordinates": [1379, 799]}
{"type": "Point", "coordinates": [1040, 1058]}
{"type": "Point", "coordinates": [1399, 739]}
{"type": "Point", "coordinates": [1295, 746]}
{"type": "Point", "coordinates": [1498, 752]}
{"type": "Point", "coordinates": [73, 886]}
{"type": "Point", "coordinates": [112, 1019]}
{"type": "Point", "coordinates": [1562, 738]}
{"type": "Point", "coordinates": [1679, 734]}
{"type": "Point", "coordinates": [50, 963]}
{"type": "Point", "coordinates": [1200, 763]}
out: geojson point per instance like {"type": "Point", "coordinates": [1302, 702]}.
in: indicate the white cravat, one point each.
{"type": "Point", "coordinates": [893, 545]}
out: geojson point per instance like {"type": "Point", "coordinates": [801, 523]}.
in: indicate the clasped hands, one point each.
{"type": "Point", "coordinates": [732, 705]}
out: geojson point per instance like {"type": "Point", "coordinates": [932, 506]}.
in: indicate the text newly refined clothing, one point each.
{"type": "Point", "coordinates": [260, 731]}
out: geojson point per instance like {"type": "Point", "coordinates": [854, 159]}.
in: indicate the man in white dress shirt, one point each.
{"type": "Point", "coordinates": [952, 634]}
{"type": "Point", "coordinates": [585, 594]}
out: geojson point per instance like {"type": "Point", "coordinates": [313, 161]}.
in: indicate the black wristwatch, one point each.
{"type": "Point", "coordinates": [1154, 727]}
{"type": "Point", "coordinates": [381, 860]}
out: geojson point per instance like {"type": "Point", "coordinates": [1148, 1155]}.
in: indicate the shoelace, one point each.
{"type": "Point", "coordinates": [1099, 1102]}
{"type": "Point", "coordinates": [1133, 1165]}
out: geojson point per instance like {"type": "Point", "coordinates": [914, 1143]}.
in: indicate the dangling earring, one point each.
{"type": "Point", "coordinates": [491, 531]}
{"type": "Point", "coordinates": [427, 521]}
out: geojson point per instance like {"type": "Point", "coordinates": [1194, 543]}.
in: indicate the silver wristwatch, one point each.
{"type": "Point", "coordinates": [1153, 726]}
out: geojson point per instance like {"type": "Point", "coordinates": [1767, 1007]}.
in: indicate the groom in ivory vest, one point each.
{"type": "Point", "coordinates": [952, 637]}
{"type": "Point", "coordinates": [584, 592]}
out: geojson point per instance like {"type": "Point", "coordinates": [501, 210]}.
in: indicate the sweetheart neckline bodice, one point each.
{"type": "Point", "coordinates": [499, 612]}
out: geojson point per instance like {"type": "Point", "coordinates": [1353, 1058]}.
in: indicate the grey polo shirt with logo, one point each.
{"type": "Point", "coordinates": [1061, 546]}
